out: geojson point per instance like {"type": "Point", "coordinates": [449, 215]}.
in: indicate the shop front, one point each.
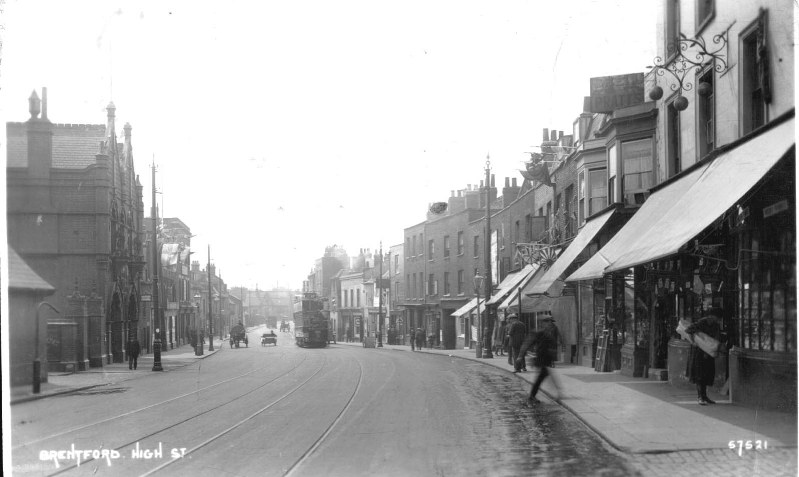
{"type": "Point", "coordinates": [722, 233]}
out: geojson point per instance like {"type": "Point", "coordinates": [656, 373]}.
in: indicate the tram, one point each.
{"type": "Point", "coordinates": [310, 323]}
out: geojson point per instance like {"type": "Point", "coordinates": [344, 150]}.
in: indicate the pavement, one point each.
{"type": "Point", "coordinates": [634, 415]}
{"type": "Point", "coordinates": [645, 416]}
{"type": "Point", "coordinates": [110, 374]}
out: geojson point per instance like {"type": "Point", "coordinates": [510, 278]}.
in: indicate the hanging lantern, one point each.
{"type": "Point", "coordinates": [681, 103]}
{"type": "Point", "coordinates": [656, 93]}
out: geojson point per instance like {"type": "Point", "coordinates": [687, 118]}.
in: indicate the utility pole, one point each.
{"type": "Point", "coordinates": [156, 299]}
{"type": "Point", "coordinates": [489, 324]}
{"type": "Point", "coordinates": [210, 306]}
{"type": "Point", "coordinates": [380, 301]}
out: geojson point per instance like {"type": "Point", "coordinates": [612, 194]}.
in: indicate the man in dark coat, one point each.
{"type": "Point", "coordinates": [516, 336]}
{"type": "Point", "coordinates": [419, 339]}
{"type": "Point", "coordinates": [545, 345]}
{"type": "Point", "coordinates": [701, 369]}
{"type": "Point", "coordinates": [134, 349]}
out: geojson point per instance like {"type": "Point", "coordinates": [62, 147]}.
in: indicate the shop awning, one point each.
{"type": "Point", "coordinates": [512, 300]}
{"type": "Point", "coordinates": [675, 214]}
{"type": "Point", "coordinates": [510, 283]}
{"type": "Point", "coordinates": [546, 285]}
{"type": "Point", "coordinates": [537, 303]}
{"type": "Point", "coordinates": [467, 308]}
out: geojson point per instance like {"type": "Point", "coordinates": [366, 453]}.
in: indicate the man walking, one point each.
{"type": "Point", "coordinates": [419, 339]}
{"type": "Point", "coordinates": [545, 344]}
{"type": "Point", "coordinates": [516, 337]}
{"type": "Point", "coordinates": [134, 348]}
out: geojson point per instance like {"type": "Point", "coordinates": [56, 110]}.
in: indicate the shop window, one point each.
{"type": "Point", "coordinates": [598, 191]}
{"type": "Point", "coordinates": [637, 162]}
{"type": "Point", "coordinates": [705, 111]}
{"type": "Point", "coordinates": [755, 88]}
{"type": "Point", "coordinates": [673, 164]}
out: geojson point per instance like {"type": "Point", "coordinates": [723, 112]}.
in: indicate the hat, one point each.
{"type": "Point", "coordinates": [548, 318]}
{"type": "Point", "coordinates": [512, 316]}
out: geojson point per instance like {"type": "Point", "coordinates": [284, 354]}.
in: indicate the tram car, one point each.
{"type": "Point", "coordinates": [310, 323]}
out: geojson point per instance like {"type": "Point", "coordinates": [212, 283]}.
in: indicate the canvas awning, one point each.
{"type": "Point", "coordinates": [678, 212]}
{"type": "Point", "coordinates": [537, 303]}
{"type": "Point", "coordinates": [512, 300]}
{"type": "Point", "coordinates": [510, 283]}
{"type": "Point", "coordinates": [467, 308]}
{"type": "Point", "coordinates": [551, 283]}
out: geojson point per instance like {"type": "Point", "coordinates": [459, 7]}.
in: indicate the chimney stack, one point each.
{"type": "Point", "coordinates": [546, 134]}
{"type": "Point", "coordinates": [553, 135]}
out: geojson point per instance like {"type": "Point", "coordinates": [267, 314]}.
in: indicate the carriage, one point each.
{"type": "Point", "coordinates": [269, 338]}
{"type": "Point", "coordinates": [284, 326]}
{"type": "Point", "coordinates": [238, 335]}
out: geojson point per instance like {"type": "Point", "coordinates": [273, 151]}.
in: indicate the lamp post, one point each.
{"type": "Point", "coordinates": [488, 327]}
{"type": "Point", "coordinates": [198, 350]}
{"type": "Point", "coordinates": [37, 363]}
{"type": "Point", "coordinates": [478, 346]}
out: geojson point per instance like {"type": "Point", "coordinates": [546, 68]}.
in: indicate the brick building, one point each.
{"type": "Point", "coordinates": [75, 213]}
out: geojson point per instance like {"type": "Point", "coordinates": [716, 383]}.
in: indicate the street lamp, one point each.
{"type": "Point", "coordinates": [198, 349]}
{"type": "Point", "coordinates": [37, 362]}
{"type": "Point", "coordinates": [478, 282]}
{"type": "Point", "coordinates": [489, 325]}
{"type": "Point", "coordinates": [380, 302]}
{"type": "Point", "coordinates": [210, 304]}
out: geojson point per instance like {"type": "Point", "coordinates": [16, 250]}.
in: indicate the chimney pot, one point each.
{"type": "Point", "coordinates": [493, 183]}
{"type": "Point", "coordinates": [513, 182]}
{"type": "Point", "coordinates": [481, 184]}
{"type": "Point", "coordinates": [553, 136]}
{"type": "Point", "coordinates": [546, 134]}
{"type": "Point", "coordinates": [452, 193]}
{"type": "Point", "coordinates": [560, 134]}
{"type": "Point", "coordinates": [507, 182]}
{"type": "Point", "coordinates": [34, 105]}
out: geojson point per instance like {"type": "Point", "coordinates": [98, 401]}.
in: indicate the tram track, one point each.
{"type": "Point", "coordinates": [200, 414]}
{"type": "Point", "coordinates": [150, 406]}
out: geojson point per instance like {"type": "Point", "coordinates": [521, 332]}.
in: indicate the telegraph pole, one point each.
{"type": "Point", "coordinates": [156, 299]}
{"type": "Point", "coordinates": [380, 302]}
{"type": "Point", "coordinates": [489, 324]}
{"type": "Point", "coordinates": [210, 306]}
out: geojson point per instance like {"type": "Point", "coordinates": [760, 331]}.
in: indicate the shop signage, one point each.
{"type": "Point", "coordinates": [146, 298]}
{"type": "Point", "coordinates": [614, 92]}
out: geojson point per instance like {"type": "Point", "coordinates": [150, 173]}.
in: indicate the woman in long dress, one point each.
{"type": "Point", "coordinates": [701, 366]}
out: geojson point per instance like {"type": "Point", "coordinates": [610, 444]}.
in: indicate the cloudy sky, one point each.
{"type": "Point", "coordinates": [281, 127]}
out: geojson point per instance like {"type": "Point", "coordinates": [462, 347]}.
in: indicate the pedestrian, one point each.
{"type": "Point", "coordinates": [413, 341]}
{"type": "Point", "coordinates": [499, 344]}
{"type": "Point", "coordinates": [701, 369]}
{"type": "Point", "coordinates": [545, 345]}
{"type": "Point", "coordinates": [134, 348]}
{"type": "Point", "coordinates": [419, 339]}
{"type": "Point", "coordinates": [431, 340]}
{"type": "Point", "coordinates": [516, 336]}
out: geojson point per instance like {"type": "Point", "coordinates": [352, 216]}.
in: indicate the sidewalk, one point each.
{"type": "Point", "coordinates": [110, 374]}
{"type": "Point", "coordinates": [639, 415]}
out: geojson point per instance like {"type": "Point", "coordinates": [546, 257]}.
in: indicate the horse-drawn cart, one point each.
{"type": "Point", "coordinates": [238, 334]}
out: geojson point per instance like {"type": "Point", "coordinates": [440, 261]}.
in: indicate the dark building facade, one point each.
{"type": "Point", "coordinates": [75, 213]}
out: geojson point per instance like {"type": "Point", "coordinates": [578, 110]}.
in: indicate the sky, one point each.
{"type": "Point", "coordinates": [281, 127]}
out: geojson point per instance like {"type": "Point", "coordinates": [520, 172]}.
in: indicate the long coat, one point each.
{"type": "Point", "coordinates": [134, 349]}
{"type": "Point", "coordinates": [517, 333]}
{"type": "Point", "coordinates": [701, 367]}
